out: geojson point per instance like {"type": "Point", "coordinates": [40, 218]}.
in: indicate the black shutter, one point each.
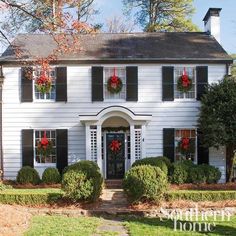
{"type": "Point", "coordinates": [132, 83]}
{"type": "Point", "coordinates": [62, 149]}
{"type": "Point", "coordinates": [61, 84]}
{"type": "Point", "coordinates": [202, 152]}
{"type": "Point", "coordinates": [97, 83]}
{"type": "Point", "coordinates": [169, 143]}
{"type": "Point", "coordinates": [202, 80]}
{"type": "Point", "coordinates": [26, 84]}
{"type": "Point", "coordinates": [27, 148]}
{"type": "Point", "coordinates": [167, 83]}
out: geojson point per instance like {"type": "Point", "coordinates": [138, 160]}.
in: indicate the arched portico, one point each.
{"type": "Point", "coordinates": [119, 122]}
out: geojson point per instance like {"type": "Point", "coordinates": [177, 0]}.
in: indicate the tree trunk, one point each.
{"type": "Point", "coordinates": [230, 152]}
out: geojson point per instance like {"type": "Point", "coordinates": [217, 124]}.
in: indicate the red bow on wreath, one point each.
{"type": "Point", "coordinates": [185, 143]}
{"type": "Point", "coordinates": [115, 146]}
{"type": "Point", "coordinates": [114, 79]}
{"type": "Point", "coordinates": [185, 79]}
{"type": "Point", "coordinates": [44, 141]}
{"type": "Point", "coordinates": [43, 79]}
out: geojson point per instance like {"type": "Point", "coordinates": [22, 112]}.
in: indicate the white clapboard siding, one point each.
{"type": "Point", "coordinates": [56, 115]}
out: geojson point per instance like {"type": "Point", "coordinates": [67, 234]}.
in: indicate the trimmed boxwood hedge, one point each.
{"type": "Point", "coordinates": [30, 197]}
{"type": "Point", "coordinates": [200, 195]}
{"type": "Point", "coordinates": [153, 161]}
{"type": "Point", "coordinates": [82, 181]}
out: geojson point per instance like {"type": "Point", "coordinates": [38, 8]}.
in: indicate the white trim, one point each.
{"type": "Point", "coordinates": [99, 146]}
{"type": "Point", "coordinates": [88, 142]}
{"type": "Point", "coordinates": [115, 111]}
{"type": "Point", "coordinates": [132, 145]}
{"type": "Point", "coordinates": [143, 142]}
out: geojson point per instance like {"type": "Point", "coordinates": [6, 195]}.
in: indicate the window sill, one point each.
{"type": "Point", "coordinates": [44, 101]}
{"type": "Point", "coordinates": [43, 165]}
{"type": "Point", "coordinates": [185, 100]}
{"type": "Point", "coordinates": [114, 100]}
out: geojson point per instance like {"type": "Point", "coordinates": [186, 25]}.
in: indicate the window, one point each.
{"type": "Point", "coordinates": [191, 73]}
{"type": "Point", "coordinates": [47, 96]}
{"type": "Point", "coordinates": [121, 73]}
{"type": "Point", "coordinates": [191, 135]}
{"type": "Point", "coordinates": [51, 136]}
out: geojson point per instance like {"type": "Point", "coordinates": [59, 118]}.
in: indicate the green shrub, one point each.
{"type": "Point", "coordinates": [167, 161]}
{"type": "Point", "coordinates": [197, 175]}
{"type": "Point", "coordinates": [77, 186]}
{"type": "Point", "coordinates": [212, 173]}
{"type": "Point", "coordinates": [200, 195]}
{"type": "Point", "coordinates": [179, 173]}
{"type": "Point", "coordinates": [153, 161]}
{"type": "Point", "coordinates": [145, 182]}
{"type": "Point", "coordinates": [4, 187]}
{"type": "Point", "coordinates": [30, 197]}
{"type": "Point", "coordinates": [82, 181]}
{"type": "Point", "coordinates": [51, 176]}
{"type": "Point", "coordinates": [28, 175]}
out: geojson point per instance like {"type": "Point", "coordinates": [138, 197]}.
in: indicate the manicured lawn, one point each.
{"type": "Point", "coordinates": [62, 225]}
{"type": "Point", "coordinates": [156, 227]}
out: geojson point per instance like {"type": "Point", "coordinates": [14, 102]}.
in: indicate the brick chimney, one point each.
{"type": "Point", "coordinates": [212, 22]}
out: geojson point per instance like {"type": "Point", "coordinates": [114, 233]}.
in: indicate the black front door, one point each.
{"type": "Point", "coordinates": [115, 155]}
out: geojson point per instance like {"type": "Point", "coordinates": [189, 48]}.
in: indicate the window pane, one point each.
{"type": "Point", "coordinates": [51, 136]}
{"type": "Point", "coordinates": [52, 94]}
{"type": "Point", "coordinates": [191, 153]}
{"type": "Point", "coordinates": [121, 73]}
{"type": "Point", "coordinates": [191, 73]}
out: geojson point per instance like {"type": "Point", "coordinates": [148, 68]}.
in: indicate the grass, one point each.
{"type": "Point", "coordinates": [62, 225]}
{"type": "Point", "coordinates": [154, 226]}
{"type": "Point", "coordinates": [88, 226]}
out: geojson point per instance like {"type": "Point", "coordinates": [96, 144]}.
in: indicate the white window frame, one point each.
{"type": "Point", "coordinates": [175, 142]}
{"type": "Point", "coordinates": [175, 84]}
{"type": "Point", "coordinates": [105, 84]}
{"type": "Point", "coordinates": [44, 99]}
{"type": "Point", "coordinates": [37, 164]}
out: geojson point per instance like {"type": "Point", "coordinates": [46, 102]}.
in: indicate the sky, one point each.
{"type": "Point", "coordinates": [109, 8]}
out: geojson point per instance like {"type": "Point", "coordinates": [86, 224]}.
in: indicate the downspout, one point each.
{"type": "Point", "coordinates": [1, 147]}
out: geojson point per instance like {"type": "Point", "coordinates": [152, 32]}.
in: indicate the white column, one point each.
{"type": "Point", "coordinates": [132, 145]}
{"type": "Point", "coordinates": [99, 147]}
{"type": "Point", "coordinates": [88, 142]}
{"type": "Point", "coordinates": [143, 142]}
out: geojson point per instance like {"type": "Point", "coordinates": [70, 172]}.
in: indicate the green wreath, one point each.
{"type": "Point", "coordinates": [44, 150]}
{"type": "Point", "coordinates": [184, 83]}
{"type": "Point", "coordinates": [114, 84]}
{"type": "Point", "coordinates": [43, 84]}
{"type": "Point", "coordinates": [186, 146]}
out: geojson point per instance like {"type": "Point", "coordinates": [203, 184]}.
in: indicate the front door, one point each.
{"type": "Point", "coordinates": [115, 155]}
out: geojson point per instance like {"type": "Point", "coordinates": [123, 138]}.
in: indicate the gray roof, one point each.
{"type": "Point", "coordinates": [161, 46]}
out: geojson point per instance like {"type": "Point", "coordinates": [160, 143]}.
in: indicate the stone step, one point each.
{"type": "Point", "coordinates": [113, 184]}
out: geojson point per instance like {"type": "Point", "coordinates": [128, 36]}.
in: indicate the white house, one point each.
{"type": "Point", "coordinates": [81, 117]}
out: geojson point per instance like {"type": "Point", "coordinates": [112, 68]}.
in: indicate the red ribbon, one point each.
{"type": "Point", "coordinates": [185, 143]}
{"type": "Point", "coordinates": [114, 79]}
{"type": "Point", "coordinates": [44, 141]}
{"type": "Point", "coordinates": [115, 145]}
{"type": "Point", "coordinates": [185, 79]}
